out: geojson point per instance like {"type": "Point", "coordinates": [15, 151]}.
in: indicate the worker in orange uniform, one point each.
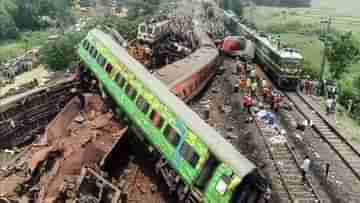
{"type": "Point", "coordinates": [248, 102]}
{"type": "Point", "coordinates": [242, 82]}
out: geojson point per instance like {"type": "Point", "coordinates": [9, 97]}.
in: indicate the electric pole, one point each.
{"type": "Point", "coordinates": [324, 38]}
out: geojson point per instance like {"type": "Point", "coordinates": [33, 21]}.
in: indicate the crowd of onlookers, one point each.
{"type": "Point", "coordinates": [313, 87]}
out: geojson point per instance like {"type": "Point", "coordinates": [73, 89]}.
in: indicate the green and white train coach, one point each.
{"type": "Point", "coordinates": [208, 168]}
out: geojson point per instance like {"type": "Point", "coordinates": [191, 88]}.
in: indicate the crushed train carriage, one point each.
{"type": "Point", "coordinates": [207, 168]}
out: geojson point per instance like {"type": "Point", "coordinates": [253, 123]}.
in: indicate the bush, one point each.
{"type": "Point", "coordinates": [310, 70]}
{"type": "Point", "coordinates": [8, 29]}
{"type": "Point", "coordinates": [59, 54]}
{"type": "Point", "coordinates": [349, 92]}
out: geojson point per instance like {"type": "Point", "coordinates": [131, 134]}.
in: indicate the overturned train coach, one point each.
{"type": "Point", "coordinates": [196, 162]}
{"type": "Point", "coordinates": [187, 77]}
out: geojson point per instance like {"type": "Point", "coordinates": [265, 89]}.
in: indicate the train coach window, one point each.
{"type": "Point", "coordinates": [91, 50]}
{"type": "Point", "coordinates": [101, 60]}
{"type": "Point", "coordinates": [142, 104]}
{"type": "Point", "coordinates": [158, 121]}
{"type": "Point", "coordinates": [109, 68]}
{"type": "Point", "coordinates": [120, 80]}
{"type": "Point", "coordinates": [131, 92]}
{"type": "Point", "coordinates": [86, 44]}
{"type": "Point", "coordinates": [189, 154]}
{"type": "Point", "coordinates": [171, 135]}
{"type": "Point", "coordinates": [127, 89]}
{"type": "Point", "coordinates": [94, 53]}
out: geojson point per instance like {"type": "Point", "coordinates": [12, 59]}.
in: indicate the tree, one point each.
{"type": "Point", "coordinates": [59, 54]}
{"type": "Point", "coordinates": [234, 5]}
{"type": "Point", "coordinates": [8, 27]}
{"type": "Point", "coordinates": [343, 52]}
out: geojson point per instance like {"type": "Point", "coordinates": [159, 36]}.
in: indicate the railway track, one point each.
{"type": "Point", "coordinates": [288, 167]}
{"type": "Point", "coordinates": [286, 171]}
{"type": "Point", "coordinates": [344, 156]}
{"type": "Point", "coordinates": [346, 152]}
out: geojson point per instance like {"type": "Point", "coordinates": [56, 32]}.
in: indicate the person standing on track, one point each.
{"type": "Point", "coordinates": [248, 85]}
{"type": "Point", "coordinates": [247, 103]}
{"type": "Point", "coordinates": [305, 167]}
{"type": "Point", "coordinates": [307, 86]}
{"type": "Point", "coordinates": [242, 83]}
{"type": "Point", "coordinates": [329, 103]}
{"type": "Point", "coordinates": [254, 86]}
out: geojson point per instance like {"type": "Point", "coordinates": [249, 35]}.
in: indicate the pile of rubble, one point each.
{"type": "Point", "coordinates": [50, 170]}
{"type": "Point", "coordinates": [18, 65]}
{"type": "Point", "coordinates": [177, 44]}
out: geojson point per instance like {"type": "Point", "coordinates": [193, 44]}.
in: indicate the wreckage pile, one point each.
{"type": "Point", "coordinates": [74, 139]}
{"type": "Point", "coordinates": [177, 42]}
{"type": "Point", "coordinates": [85, 155]}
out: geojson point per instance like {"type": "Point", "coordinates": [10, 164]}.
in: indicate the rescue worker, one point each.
{"type": "Point", "coordinates": [246, 68]}
{"type": "Point", "coordinates": [263, 82]}
{"type": "Point", "coordinates": [247, 103]}
{"type": "Point", "coordinates": [254, 86]}
{"type": "Point", "coordinates": [275, 102]}
{"type": "Point", "coordinates": [307, 86]}
{"type": "Point", "coordinates": [328, 105]}
{"type": "Point", "coordinates": [267, 93]}
{"type": "Point", "coordinates": [248, 85]}
{"type": "Point", "coordinates": [303, 126]}
{"type": "Point", "coordinates": [305, 167]}
{"type": "Point", "coordinates": [333, 105]}
{"type": "Point", "coordinates": [242, 82]}
{"type": "Point", "coordinates": [302, 85]}
{"type": "Point", "coordinates": [262, 86]}
{"type": "Point", "coordinates": [253, 73]}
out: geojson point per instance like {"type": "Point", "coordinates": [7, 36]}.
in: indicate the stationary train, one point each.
{"type": "Point", "coordinates": [283, 64]}
{"type": "Point", "coordinates": [196, 161]}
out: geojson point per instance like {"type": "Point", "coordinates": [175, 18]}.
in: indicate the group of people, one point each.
{"type": "Point", "coordinates": [309, 86]}
{"type": "Point", "coordinates": [256, 87]}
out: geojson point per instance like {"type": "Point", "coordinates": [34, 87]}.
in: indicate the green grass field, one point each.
{"type": "Point", "coordinates": [27, 40]}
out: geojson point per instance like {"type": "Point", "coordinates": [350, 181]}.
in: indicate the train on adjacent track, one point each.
{"type": "Point", "coordinates": [196, 161]}
{"type": "Point", "coordinates": [283, 64]}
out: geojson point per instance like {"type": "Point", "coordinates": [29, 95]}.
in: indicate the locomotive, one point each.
{"type": "Point", "coordinates": [283, 64]}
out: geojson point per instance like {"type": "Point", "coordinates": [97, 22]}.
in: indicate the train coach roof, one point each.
{"type": "Point", "coordinates": [222, 149]}
{"type": "Point", "coordinates": [14, 100]}
{"type": "Point", "coordinates": [264, 40]}
{"type": "Point", "coordinates": [176, 72]}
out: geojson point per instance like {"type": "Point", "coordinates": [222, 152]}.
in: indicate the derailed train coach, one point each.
{"type": "Point", "coordinates": [187, 77]}
{"type": "Point", "coordinates": [197, 162]}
